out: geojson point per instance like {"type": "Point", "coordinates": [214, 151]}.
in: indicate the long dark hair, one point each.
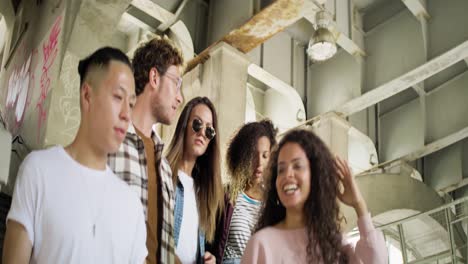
{"type": "Point", "coordinates": [239, 155]}
{"type": "Point", "coordinates": [321, 209]}
{"type": "Point", "coordinates": [207, 175]}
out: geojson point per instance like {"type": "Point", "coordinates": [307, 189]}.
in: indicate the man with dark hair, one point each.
{"type": "Point", "coordinates": [157, 68]}
{"type": "Point", "coordinates": [68, 206]}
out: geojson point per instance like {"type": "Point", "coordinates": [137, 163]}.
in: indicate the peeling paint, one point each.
{"type": "Point", "coordinates": [261, 27]}
{"type": "Point", "coordinates": [264, 25]}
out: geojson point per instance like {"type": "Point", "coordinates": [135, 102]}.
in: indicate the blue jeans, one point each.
{"type": "Point", "coordinates": [231, 261]}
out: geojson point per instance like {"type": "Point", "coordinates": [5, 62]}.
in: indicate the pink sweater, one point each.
{"type": "Point", "coordinates": [274, 245]}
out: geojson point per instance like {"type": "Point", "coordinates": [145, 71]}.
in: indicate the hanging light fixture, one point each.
{"type": "Point", "coordinates": [322, 44]}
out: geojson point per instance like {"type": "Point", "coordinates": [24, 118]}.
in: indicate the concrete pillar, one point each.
{"type": "Point", "coordinates": [333, 130]}
{"type": "Point", "coordinates": [225, 82]}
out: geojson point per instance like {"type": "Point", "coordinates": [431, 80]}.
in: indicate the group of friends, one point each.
{"type": "Point", "coordinates": [114, 195]}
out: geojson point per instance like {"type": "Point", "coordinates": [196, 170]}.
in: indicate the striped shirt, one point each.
{"type": "Point", "coordinates": [244, 219]}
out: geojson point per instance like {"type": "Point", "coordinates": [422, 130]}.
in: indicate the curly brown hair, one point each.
{"type": "Point", "coordinates": [158, 53]}
{"type": "Point", "coordinates": [239, 155]}
{"type": "Point", "coordinates": [321, 209]}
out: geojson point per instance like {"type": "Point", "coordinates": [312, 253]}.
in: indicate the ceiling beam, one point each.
{"type": "Point", "coordinates": [154, 10]}
{"type": "Point", "coordinates": [453, 187]}
{"type": "Point", "coordinates": [422, 152]}
{"type": "Point", "coordinates": [261, 27]}
{"type": "Point", "coordinates": [417, 7]}
{"type": "Point", "coordinates": [269, 79]}
{"type": "Point", "coordinates": [137, 22]}
{"type": "Point", "coordinates": [406, 80]}
{"type": "Point", "coordinates": [271, 20]}
{"type": "Point", "coordinates": [165, 25]}
{"type": "Point", "coordinates": [419, 89]}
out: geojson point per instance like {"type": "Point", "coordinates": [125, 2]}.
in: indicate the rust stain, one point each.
{"type": "Point", "coordinates": [261, 27]}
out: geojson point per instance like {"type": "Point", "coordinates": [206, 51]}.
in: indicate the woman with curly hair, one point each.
{"type": "Point", "coordinates": [300, 222]}
{"type": "Point", "coordinates": [247, 156]}
{"type": "Point", "coordinates": [195, 161]}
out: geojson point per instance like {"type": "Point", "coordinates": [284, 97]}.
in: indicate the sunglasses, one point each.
{"type": "Point", "coordinates": [197, 125]}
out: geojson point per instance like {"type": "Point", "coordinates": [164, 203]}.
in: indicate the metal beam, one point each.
{"type": "Point", "coordinates": [424, 151]}
{"type": "Point", "coordinates": [432, 258]}
{"type": "Point", "coordinates": [405, 81]}
{"type": "Point", "coordinates": [403, 243]}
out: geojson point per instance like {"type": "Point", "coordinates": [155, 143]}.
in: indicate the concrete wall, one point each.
{"type": "Point", "coordinates": [299, 72]}
{"type": "Point", "coordinates": [277, 54]}
{"type": "Point", "coordinates": [195, 17]}
{"type": "Point", "coordinates": [393, 48]}
{"type": "Point", "coordinates": [443, 168]}
{"type": "Point", "coordinates": [332, 83]}
{"type": "Point", "coordinates": [447, 108]}
{"type": "Point", "coordinates": [258, 96]}
{"type": "Point", "coordinates": [447, 28]}
{"type": "Point", "coordinates": [401, 131]}
{"type": "Point", "coordinates": [226, 15]}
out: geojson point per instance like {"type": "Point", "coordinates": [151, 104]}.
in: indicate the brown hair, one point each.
{"type": "Point", "coordinates": [158, 53]}
{"type": "Point", "coordinates": [207, 172]}
{"type": "Point", "coordinates": [239, 155]}
{"type": "Point", "coordinates": [321, 209]}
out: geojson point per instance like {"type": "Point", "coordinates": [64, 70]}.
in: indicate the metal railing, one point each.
{"type": "Point", "coordinates": [438, 236]}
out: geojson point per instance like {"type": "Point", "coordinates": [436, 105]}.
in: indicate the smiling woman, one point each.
{"type": "Point", "coordinates": [300, 222]}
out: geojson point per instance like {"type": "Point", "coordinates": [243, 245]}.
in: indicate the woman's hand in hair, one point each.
{"type": "Point", "coordinates": [209, 258]}
{"type": "Point", "coordinates": [349, 192]}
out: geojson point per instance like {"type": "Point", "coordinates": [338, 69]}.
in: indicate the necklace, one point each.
{"type": "Point", "coordinates": [98, 204]}
{"type": "Point", "coordinates": [99, 180]}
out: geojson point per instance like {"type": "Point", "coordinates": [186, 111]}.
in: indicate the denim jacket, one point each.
{"type": "Point", "coordinates": [218, 246]}
{"type": "Point", "coordinates": [178, 214]}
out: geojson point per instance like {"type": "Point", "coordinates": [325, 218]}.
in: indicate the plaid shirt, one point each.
{"type": "Point", "coordinates": [129, 163]}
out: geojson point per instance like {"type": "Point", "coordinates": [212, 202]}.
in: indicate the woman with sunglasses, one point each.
{"type": "Point", "coordinates": [300, 222]}
{"type": "Point", "coordinates": [247, 157]}
{"type": "Point", "coordinates": [195, 161]}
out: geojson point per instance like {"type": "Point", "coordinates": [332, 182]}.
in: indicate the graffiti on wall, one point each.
{"type": "Point", "coordinates": [18, 89]}
{"type": "Point", "coordinates": [68, 106]}
{"type": "Point", "coordinates": [50, 51]}
{"type": "Point", "coordinates": [29, 80]}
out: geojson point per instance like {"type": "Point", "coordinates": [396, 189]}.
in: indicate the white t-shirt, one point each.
{"type": "Point", "coordinates": [74, 214]}
{"type": "Point", "coordinates": [188, 237]}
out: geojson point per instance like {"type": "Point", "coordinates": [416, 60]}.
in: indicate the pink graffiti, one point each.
{"type": "Point", "coordinates": [50, 51]}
